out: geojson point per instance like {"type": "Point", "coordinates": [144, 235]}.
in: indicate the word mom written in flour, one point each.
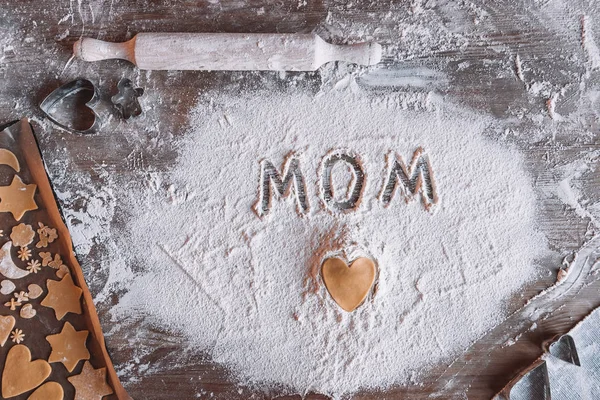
{"type": "Point", "coordinates": [415, 179]}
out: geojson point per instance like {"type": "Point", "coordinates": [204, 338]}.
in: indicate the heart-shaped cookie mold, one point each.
{"type": "Point", "coordinates": [348, 285]}
{"type": "Point", "coordinates": [27, 311]}
{"type": "Point", "coordinates": [34, 291]}
{"type": "Point", "coordinates": [48, 391]}
{"type": "Point", "coordinates": [20, 373]}
{"type": "Point", "coordinates": [7, 322]}
{"type": "Point", "coordinates": [7, 287]}
{"type": "Point", "coordinates": [62, 271]}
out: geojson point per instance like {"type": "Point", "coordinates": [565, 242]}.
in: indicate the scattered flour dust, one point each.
{"type": "Point", "coordinates": [244, 288]}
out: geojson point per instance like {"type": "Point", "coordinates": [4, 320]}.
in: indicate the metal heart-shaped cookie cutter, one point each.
{"type": "Point", "coordinates": [104, 112]}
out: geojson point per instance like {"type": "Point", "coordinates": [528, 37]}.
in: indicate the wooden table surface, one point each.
{"type": "Point", "coordinates": [507, 59]}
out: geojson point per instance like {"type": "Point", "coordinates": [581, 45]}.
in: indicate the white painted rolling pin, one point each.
{"type": "Point", "coordinates": [227, 51]}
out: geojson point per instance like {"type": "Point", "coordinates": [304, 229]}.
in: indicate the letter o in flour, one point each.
{"type": "Point", "coordinates": [358, 181]}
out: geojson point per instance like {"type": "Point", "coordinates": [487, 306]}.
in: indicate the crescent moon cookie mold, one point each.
{"type": "Point", "coordinates": [50, 334]}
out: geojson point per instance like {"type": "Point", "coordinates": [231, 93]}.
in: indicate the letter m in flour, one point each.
{"type": "Point", "coordinates": [417, 178]}
{"type": "Point", "coordinates": [271, 181]}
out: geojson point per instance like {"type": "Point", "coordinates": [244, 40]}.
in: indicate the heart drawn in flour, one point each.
{"type": "Point", "coordinates": [21, 374]}
{"type": "Point", "coordinates": [348, 285]}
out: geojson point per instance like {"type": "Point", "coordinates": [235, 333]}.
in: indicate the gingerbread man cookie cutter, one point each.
{"type": "Point", "coordinates": [126, 99]}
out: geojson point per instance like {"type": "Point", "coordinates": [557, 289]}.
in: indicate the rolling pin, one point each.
{"type": "Point", "coordinates": [227, 51]}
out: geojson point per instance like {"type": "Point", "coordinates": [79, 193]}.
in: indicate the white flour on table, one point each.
{"type": "Point", "coordinates": [239, 287]}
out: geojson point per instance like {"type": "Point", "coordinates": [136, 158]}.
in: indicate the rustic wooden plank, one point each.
{"type": "Point", "coordinates": [480, 74]}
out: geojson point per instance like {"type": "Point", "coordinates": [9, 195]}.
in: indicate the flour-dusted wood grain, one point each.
{"type": "Point", "coordinates": [502, 58]}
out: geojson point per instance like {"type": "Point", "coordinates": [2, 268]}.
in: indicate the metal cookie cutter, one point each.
{"type": "Point", "coordinates": [126, 99]}
{"type": "Point", "coordinates": [78, 107]}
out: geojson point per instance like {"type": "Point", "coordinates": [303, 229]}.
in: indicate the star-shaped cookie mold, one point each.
{"type": "Point", "coordinates": [68, 347]}
{"type": "Point", "coordinates": [91, 383]}
{"type": "Point", "coordinates": [63, 296]}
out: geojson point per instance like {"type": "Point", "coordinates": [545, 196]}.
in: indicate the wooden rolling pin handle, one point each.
{"type": "Point", "coordinates": [89, 49]}
{"type": "Point", "coordinates": [361, 53]}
